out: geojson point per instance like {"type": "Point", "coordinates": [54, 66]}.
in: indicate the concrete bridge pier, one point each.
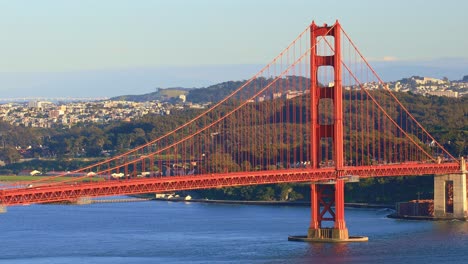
{"type": "Point", "coordinates": [327, 205]}
{"type": "Point", "coordinates": [450, 195]}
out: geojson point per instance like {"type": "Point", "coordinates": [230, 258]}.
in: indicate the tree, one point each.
{"type": "Point", "coordinates": [218, 162]}
{"type": "Point", "coordinates": [139, 136]}
{"type": "Point", "coordinates": [9, 155]}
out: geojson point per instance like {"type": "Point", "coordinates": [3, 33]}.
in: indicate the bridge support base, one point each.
{"type": "Point", "coordinates": [328, 240]}
{"type": "Point", "coordinates": [323, 197]}
{"type": "Point", "coordinates": [3, 209]}
{"type": "Point", "coordinates": [328, 235]}
{"type": "Point", "coordinates": [450, 195]}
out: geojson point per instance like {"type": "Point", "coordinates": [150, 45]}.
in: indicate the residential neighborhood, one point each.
{"type": "Point", "coordinates": [48, 114]}
{"type": "Point", "coordinates": [431, 86]}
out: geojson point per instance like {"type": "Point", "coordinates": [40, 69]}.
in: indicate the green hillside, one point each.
{"type": "Point", "coordinates": [160, 95]}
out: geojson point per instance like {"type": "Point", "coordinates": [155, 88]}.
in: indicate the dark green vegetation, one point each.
{"type": "Point", "coordinates": [374, 190]}
{"type": "Point", "coordinates": [277, 192]}
{"type": "Point", "coordinates": [211, 93]}
{"type": "Point", "coordinates": [46, 165]}
{"type": "Point", "coordinates": [445, 118]}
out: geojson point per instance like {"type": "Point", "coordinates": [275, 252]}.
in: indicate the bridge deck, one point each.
{"type": "Point", "coordinates": [70, 192]}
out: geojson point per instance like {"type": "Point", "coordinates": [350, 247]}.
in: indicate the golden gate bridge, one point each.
{"type": "Point", "coordinates": [317, 113]}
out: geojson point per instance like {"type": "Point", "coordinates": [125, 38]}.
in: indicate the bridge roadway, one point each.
{"type": "Point", "coordinates": [72, 192]}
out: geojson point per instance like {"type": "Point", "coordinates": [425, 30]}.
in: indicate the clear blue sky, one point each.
{"type": "Point", "coordinates": [83, 35]}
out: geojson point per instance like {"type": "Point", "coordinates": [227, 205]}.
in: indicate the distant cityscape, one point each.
{"type": "Point", "coordinates": [431, 86]}
{"type": "Point", "coordinates": [46, 114]}
{"type": "Point", "coordinates": [66, 112]}
{"type": "Point", "coordinates": [424, 86]}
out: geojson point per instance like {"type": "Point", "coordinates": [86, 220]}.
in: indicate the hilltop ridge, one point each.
{"type": "Point", "coordinates": [161, 94]}
{"type": "Point", "coordinates": [216, 92]}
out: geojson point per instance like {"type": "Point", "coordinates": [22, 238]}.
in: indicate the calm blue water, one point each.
{"type": "Point", "coordinates": [171, 232]}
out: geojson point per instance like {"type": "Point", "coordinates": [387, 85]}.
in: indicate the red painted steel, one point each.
{"type": "Point", "coordinates": [326, 200]}
{"type": "Point", "coordinates": [339, 205]}
{"type": "Point", "coordinates": [321, 131]}
{"type": "Point", "coordinates": [52, 193]}
{"type": "Point", "coordinates": [314, 203]}
{"type": "Point", "coordinates": [338, 143]}
{"type": "Point", "coordinates": [70, 192]}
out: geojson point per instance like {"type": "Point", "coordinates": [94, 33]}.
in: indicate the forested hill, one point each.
{"type": "Point", "coordinates": [159, 94]}
{"type": "Point", "coordinates": [213, 93]}
{"type": "Point", "coordinates": [210, 94]}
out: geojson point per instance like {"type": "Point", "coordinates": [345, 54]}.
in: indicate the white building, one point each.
{"type": "Point", "coordinates": [35, 104]}
{"type": "Point", "coordinates": [444, 93]}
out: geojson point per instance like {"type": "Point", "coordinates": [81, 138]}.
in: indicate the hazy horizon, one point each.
{"type": "Point", "coordinates": [115, 82]}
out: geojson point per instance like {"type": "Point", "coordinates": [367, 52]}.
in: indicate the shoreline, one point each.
{"type": "Point", "coordinates": [423, 218]}
{"type": "Point", "coordinates": [273, 203]}
{"type": "Point", "coordinates": [131, 199]}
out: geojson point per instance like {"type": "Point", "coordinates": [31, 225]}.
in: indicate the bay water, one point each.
{"type": "Point", "coordinates": [188, 232]}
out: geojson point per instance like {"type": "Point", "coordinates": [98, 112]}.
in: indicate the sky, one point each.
{"type": "Point", "coordinates": [91, 48]}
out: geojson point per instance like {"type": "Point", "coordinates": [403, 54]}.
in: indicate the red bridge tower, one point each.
{"type": "Point", "coordinates": [326, 195]}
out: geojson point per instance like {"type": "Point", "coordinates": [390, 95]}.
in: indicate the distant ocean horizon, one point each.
{"type": "Point", "coordinates": [108, 83]}
{"type": "Point", "coordinates": [50, 99]}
